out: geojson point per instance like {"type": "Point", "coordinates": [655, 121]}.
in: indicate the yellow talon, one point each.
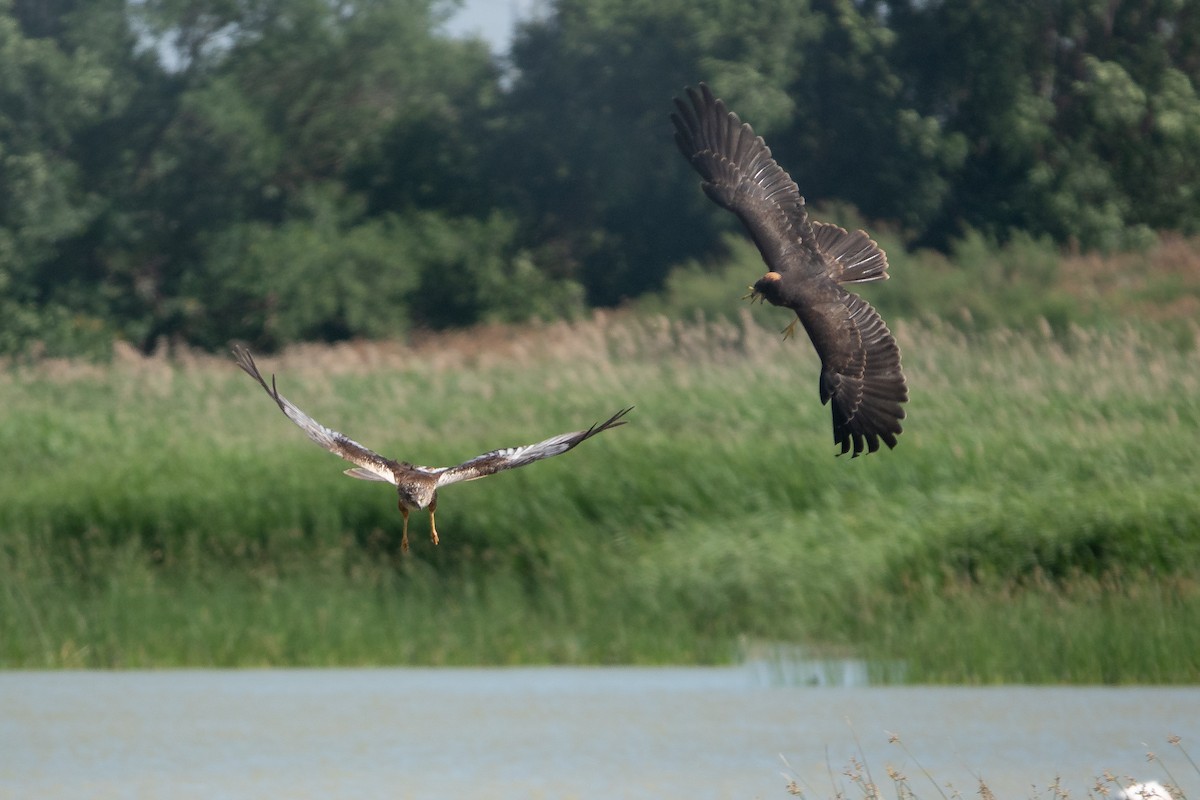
{"type": "Point", "coordinates": [790, 330]}
{"type": "Point", "coordinates": [753, 295]}
{"type": "Point", "coordinates": [433, 534]}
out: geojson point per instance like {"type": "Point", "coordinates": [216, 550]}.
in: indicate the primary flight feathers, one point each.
{"type": "Point", "coordinates": [416, 485]}
{"type": "Point", "coordinates": [807, 264]}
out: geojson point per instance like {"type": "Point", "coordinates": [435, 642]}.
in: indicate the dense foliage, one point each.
{"type": "Point", "coordinates": [278, 170]}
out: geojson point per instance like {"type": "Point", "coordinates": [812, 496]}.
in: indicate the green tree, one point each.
{"type": "Point", "coordinates": [1073, 119]}
{"type": "Point", "coordinates": [856, 135]}
{"type": "Point", "coordinates": [1078, 114]}
{"type": "Point", "coordinates": [57, 85]}
{"type": "Point", "coordinates": [300, 127]}
{"type": "Point", "coordinates": [584, 150]}
{"type": "Point", "coordinates": [597, 178]}
{"type": "Point", "coordinates": [187, 168]}
{"type": "Point", "coordinates": [274, 169]}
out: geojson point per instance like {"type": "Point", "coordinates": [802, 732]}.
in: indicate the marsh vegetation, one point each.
{"type": "Point", "coordinates": [1038, 522]}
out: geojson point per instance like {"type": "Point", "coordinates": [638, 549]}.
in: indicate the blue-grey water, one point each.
{"type": "Point", "coordinates": [562, 733]}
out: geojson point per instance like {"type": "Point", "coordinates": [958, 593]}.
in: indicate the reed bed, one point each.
{"type": "Point", "coordinates": [160, 511]}
{"type": "Point", "coordinates": [911, 780]}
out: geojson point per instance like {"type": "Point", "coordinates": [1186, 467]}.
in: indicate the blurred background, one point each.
{"type": "Point", "coordinates": [192, 171]}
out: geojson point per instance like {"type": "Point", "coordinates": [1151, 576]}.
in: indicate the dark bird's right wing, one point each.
{"type": "Point", "coordinates": [369, 464]}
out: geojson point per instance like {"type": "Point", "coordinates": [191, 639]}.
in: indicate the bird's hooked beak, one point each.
{"type": "Point", "coordinates": [758, 290]}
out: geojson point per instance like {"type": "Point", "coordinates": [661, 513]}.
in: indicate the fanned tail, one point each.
{"type": "Point", "coordinates": [854, 257]}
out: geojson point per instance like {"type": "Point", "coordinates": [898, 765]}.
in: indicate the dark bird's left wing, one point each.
{"type": "Point", "coordinates": [369, 464]}
{"type": "Point", "coordinates": [861, 377]}
{"type": "Point", "coordinates": [512, 457]}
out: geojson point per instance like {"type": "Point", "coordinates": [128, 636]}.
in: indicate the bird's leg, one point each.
{"type": "Point", "coordinates": [433, 528]}
{"type": "Point", "coordinates": [404, 534]}
{"type": "Point", "coordinates": [752, 295]}
{"type": "Point", "coordinates": [790, 330]}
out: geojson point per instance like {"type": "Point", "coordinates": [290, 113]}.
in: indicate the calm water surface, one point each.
{"type": "Point", "coordinates": [558, 733]}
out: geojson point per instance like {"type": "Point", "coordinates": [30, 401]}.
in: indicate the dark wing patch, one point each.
{"type": "Point", "coordinates": [860, 373]}
{"type": "Point", "coordinates": [740, 175]}
{"type": "Point", "coordinates": [512, 457]}
{"type": "Point", "coordinates": [853, 257]}
{"type": "Point", "coordinates": [371, 465]}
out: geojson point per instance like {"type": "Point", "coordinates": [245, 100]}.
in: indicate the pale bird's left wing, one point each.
{"type": "Point", "coordinates": [369, 465]}
{"type": "Point", "coordinates": [512, 457]}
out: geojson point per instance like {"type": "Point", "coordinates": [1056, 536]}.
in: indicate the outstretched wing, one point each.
{"type": "Point", "coordinates": [861, 375]}
{"type": "Point", "coordinates": [369, 464]}
{"type": "Point", "coordinates": [511, 457]}
{"type": "Point", "coordinates": [740, 175]}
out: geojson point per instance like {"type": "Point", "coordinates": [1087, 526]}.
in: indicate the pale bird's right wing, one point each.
{"type": "Point", "coordinates": [369, 465]}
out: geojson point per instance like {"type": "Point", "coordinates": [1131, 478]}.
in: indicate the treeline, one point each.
{"type": "Point", "coordinates": [282, 170]}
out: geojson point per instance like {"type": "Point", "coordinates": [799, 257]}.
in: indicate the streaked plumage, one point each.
{"type": "Point", "coordinates": [808, 262]}
{"type": "Point", "coordinates": [416, 485]}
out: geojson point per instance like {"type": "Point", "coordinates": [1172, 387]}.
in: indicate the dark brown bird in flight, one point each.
{"type": "Point", "coordinates": [807, 264]}
{"type": "Point", "coordinates": [416, 485]}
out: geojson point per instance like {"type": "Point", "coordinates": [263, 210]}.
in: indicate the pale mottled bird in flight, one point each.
{"type": "Point", "coordinates": [416, 485]}
{"type": "Point", "coordinates": [807, 264]}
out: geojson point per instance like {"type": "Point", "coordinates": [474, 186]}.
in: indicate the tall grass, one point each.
{"type": "Point", "coordinates": [857, 779]}
{"type": "Point", "coordinates": [1042, 500]}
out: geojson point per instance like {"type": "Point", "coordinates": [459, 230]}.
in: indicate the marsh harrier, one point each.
{"type": "Point", "coordinates": [807, 264]}
{"type": "Point", "coordinates": [416, 485]}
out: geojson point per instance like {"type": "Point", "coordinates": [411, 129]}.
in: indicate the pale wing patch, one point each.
{"type": "Point", "coordinates": [368, 475]}
{"type": "Point", "coordinates": [511, 457]}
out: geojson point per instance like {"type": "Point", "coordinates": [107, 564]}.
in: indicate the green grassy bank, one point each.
{"type": "Point", "coordinates": [1039, 520]}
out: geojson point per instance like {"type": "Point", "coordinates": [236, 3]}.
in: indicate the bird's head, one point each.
{"type": "Point", "coordinates": [416, 494]}
{"type": "Point", "coordinates": [766, 289]}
